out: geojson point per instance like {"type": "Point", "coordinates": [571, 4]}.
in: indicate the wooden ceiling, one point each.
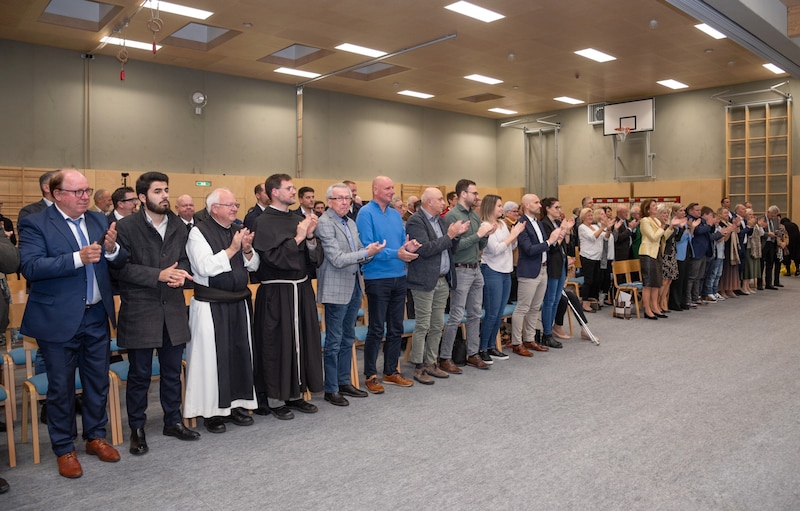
{"type": "Point", "coordinates": [542, 35]}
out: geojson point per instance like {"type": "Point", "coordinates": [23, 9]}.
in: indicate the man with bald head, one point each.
{"type": "Point", "coordinates": [430, 278]}
{"type": "Point", "coordinates": [184, 207]}
{"type": "Point", "coordinates": [384, 283]}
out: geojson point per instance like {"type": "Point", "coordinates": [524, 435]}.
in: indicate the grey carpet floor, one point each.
{"type": "Point", "coordinates": [695, 412]}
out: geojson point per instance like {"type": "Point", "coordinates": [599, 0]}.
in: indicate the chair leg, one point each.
{"type": "Point", "coordinates": [114, 411]}
{"type": "Point", "coordinates": [354, 379]}
{"type": "Point", "coordinates": [30, 398]}
{"type": "Point", "coordinates": [408, 349]}
{"type": "Point", "coordinates": [12, 450]}
{"type": "Point", "coordinates": [8, 383]}
{"type": "Point", "coordinates": [24, 424]}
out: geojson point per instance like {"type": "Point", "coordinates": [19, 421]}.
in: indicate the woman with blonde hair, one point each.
{"type": "Point", "coordinates": [593, 238]}
{"type": "Point", "coordinates": [669, 262]}
{"type": "Point", "coordinates": [653, 236]}
{"type": "Point", "coordinates": [752, 267]}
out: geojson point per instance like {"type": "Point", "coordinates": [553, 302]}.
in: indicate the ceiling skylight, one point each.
{"type": "Point", "coordinates": [710, 31]}
{"type": "Point", "coordinates": [775, 69]}
{"type": "Point", "coordinates": [130, 44]}
{"type": "Point", "coordinates": [567, 99]}
{"type": "Point", "coordinates": [672, 84]}
{"type": "Point", "coordinates": [415, 94]}
{"type": "Point", "coordinates": [189, 12]}
{"type": "Point", "coordinates": [484, 79]}
{"type": "Point", "coordinates": [502, 111]}
{"type": "Point", "coordinates": [473, 11]}
{"type": "Point", "coordinates": [597, 56]}
{"type": "Point", "coordinates": [297, 72]}
{"type": "Point", "coordinates": [361, 50]}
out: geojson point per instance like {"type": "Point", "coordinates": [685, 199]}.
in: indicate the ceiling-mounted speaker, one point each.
{"type": "Point", "coordinates": [594, 112]}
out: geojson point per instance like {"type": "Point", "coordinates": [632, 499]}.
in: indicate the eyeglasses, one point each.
{"type": "Point", "coordinates": [78, 193]}
{"type": "Point", "coordinates": [132, 199]}
{"type": "Point", "coordinates": [289, 189]}
{"type": "Point", "coordinates": [232, 205]}
{"type": "Point", "coordinates": [340, 198]}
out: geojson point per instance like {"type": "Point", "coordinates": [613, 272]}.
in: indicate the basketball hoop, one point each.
{"type": "Point", "coordinates": [622, 133]}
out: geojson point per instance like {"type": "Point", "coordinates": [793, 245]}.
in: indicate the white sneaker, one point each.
{"type": "Point", "coordinates": [719, 297]}
{"type": "Point", "coordinates": [710, 298]}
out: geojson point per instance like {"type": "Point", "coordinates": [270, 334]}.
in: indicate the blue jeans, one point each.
{"type": "Point", "coordinates": [713, 274]}
{"type": "Point", "coordinates": [551, 298]}
{"type": "Point", "coordinates": [340, 320]}
{"type": "Point", "coordinates": [496, 288]}
{"type": "Point", "coordinates": [387, 301]}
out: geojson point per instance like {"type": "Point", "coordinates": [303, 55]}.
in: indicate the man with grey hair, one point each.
{"type": "Point", "coordinates": [102, 201]}
{"type": "Point", "coordinates": [219, 378]}
{"type": "Point", "coordinates": [184, 207]}
{"type": "Point", "coordinates": [340, 289]}
{"type": "Point", "coordinates": [411, 207]}
{"type": "Point", "coordinates": [769, 248]}
{"type": "Point", "coordinates": [430, 278]}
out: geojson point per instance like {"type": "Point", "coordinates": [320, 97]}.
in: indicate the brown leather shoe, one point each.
{"type": "Point", "coordinates": [374, 384]}
{"type": "Point", "coordinates": [521, 350]}
{"type": "Point", "coordinates": [69, 466]}
{"type": "Point", "coordinates": [475, 361]}
{"type": "Point", "coordinates": [449, 366]}
{"type": "Point", "coordinates": [433, 370]}
{"type": "Point", "coordinates": [397, 379]}
{"type": "Point", "coordinates": [422, 376]}
{"type": "Point", "coordinates": [535, 347]}
{"type": "Point", "coordinates": [102, 449]}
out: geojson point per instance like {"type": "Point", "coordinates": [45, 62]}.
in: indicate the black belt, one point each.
{"type": "Point", "coordinates": [93, 304]}
{"type": "Point", "coordinates": [466, 265]}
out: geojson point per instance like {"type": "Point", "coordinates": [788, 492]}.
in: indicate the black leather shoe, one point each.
{"type": "Point", "coordinates": [301, 406]}
{"type": "Point", "coordinates": [282, 412]}
{"type": "Point", "coordinates": [215, 425]}
{"type": "Point", "coordinates": [778, 285]}
{"type": "Point", "coordinates": [262, 410]}
{"type": "Point", "coordinates": [181, 432]}
{"type": "Point", "coordinates": [335, 398]}
{"type": "Point", "coordinates": [662, 316]}
{"type": "Point", "coordinates": [760, 288]}
{"type": "Point", "coordinates": [239, 417]}
{"type": "Point", "coordinates": [772, 288]}
{"type": "Point", "coordinates": [549, 340]}
{"type": "Point", "coordinates": [350, 390]}
{"type": "Point", "coordinates": [138, 443]}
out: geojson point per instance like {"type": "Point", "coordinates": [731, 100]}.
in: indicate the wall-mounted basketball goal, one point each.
{"type": "Point", "coordinates": [630, 124]}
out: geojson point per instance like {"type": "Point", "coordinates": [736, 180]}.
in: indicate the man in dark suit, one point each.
{"type": "Point", "coordinates": [354, 206]}
{"type": "Point", "coordinates": [124, 202]}
{"type": "Point", "coordinates": [65, 253]}
{"type": "Point", "coordinates": [532, 275]}
{"type": "Point", "coordinates": [306, 199]}
{"type": "Point", "coordinates": [430, 278]}
{"type": "Point", "coordinates": [262, 201]}
{"type": "Point", "coordinates": [623, 236]}
{"type": "Point", "coordinates": [152, 312]}
{"type": "Point", "coordinates": [45, 201]}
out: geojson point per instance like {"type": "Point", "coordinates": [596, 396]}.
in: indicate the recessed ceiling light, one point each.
{"type": "Point", "coordinates": [597, 56]}
{"type": "Point", "coordinates": [361, 50]}
{"type": "Point", "coordinates": [775, 69]}
{"type": "Point", "coordinates": [502, 111]}
{"type": "Point", "coordinates": [177, 9]}
{"type": "Point", "coordinates": [296, 72]}
{"type": "Point", "coordinates": [716, 34]}
{"type": "Point", "coordinates": [473, 11]}
{"type": "Point", "coordinates": [672, 84]}
{"type": "Point", "coordinates": [415, 94]}
{"type": "Point", "coordinates": [567, 99]}
{"type": "Point", "coordinates": [484, 79]}
{"type": "Point", "coordinates": [129, 44]}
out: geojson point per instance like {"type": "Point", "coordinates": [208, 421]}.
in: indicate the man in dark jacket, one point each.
{"type": "Point", "coordinates": [430, 278]}
{"type": "Point", "coordinates": [152, 313]}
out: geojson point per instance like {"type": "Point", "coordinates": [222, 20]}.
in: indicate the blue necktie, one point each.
{"type": "Point", "coordinates": [89, 267]}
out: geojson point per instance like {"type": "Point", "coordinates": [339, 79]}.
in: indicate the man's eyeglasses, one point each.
{"type": "Point", "coordinates": [79, 193]}
{"type": "Point", "coordinates": [340, 198]}
{"type": "Point", "coordinates": [231, 205]}
{"type": "Point", "coordinates": [132, 199]}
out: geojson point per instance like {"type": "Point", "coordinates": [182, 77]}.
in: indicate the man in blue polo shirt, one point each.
{"type": "Point", "coordinates": [384, 283]}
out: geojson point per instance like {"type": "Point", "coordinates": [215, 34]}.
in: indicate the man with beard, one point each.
{"type": "Point", "coordinates": [152, 313]}
{"type": "Point", "coordinates": [287, 345]}
{"type": "Point", "coordinates": [220, 364]}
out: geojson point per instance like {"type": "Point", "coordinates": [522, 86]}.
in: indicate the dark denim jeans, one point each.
{"type": "Point", "coordinates": [387, 299]}
{"type": "Point", "coordinates": [496, 288]}
{"type": "Point", "coordinates": [551, 299]}
{"type": "Point", "coordinates": [340, 333]}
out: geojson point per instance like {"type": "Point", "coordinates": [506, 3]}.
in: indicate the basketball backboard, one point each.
{"type": "Point", "coordinates": [637, 115]}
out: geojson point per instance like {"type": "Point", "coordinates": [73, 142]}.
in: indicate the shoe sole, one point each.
{"type": "Point", "coordinates": [376, 391]}
{"type": "Point", "coordinates": [409, 384]}
{"type": "Point", "coordinates": [346, 403]}
{"type": "Point", "coordinates": [424, 382]}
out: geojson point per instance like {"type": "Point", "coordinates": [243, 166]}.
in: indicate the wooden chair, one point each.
{"type": "Point", "coordinates": [630, 284]}
{"type": "Point", "coordinates": [572, 280]}
{"type": "Point", "coordinates": [12, 451]}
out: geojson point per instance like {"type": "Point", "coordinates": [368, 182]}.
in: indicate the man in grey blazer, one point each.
{"type": "Point", "coordinates": [339, 289]}
{"type": "Point", "coordinates": [430, 278]}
